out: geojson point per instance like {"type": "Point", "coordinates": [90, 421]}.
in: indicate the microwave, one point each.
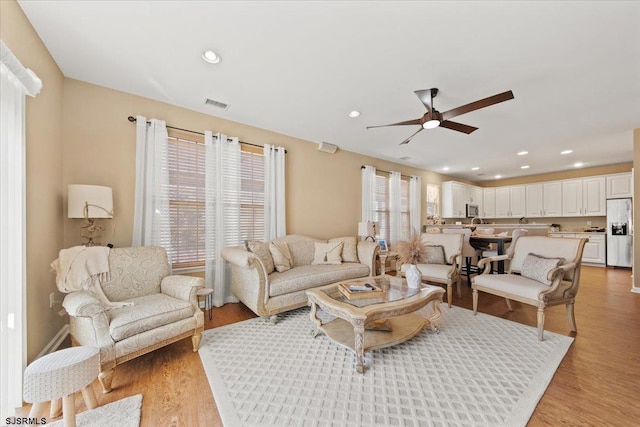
{"type": "Point", "coordinates": [473, 211]}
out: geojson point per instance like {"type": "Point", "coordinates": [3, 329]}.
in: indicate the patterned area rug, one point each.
{"type": "Point", "coordinates": [122, 413]}
{"type": "Point", "coordinates": [477, 371]}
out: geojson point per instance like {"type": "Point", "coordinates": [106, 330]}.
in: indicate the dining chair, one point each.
{"type": "Point", "coordinates": [468, 251]}
{"type": "Point", "coordinates": [515, 235]}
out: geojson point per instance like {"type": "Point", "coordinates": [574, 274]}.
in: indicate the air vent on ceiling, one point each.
{"type": "Point", "coordinates": [405, 158]}
{"type": "Point", "coordinates": [215, 103]}
{"type": "Point", "coordinates": [481, 174]}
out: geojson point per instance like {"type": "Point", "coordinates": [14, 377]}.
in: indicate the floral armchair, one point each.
{"type": "Point", "coordinates": [164, 310]}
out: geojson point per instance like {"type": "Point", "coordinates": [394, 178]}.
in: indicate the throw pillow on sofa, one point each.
{"type": "Point", "coordinates": [537, 267]}
{"type": "Point", "coordinates": [281, 256]}
{"type": "Point", "coordinates": [261, 250]}
{"type": "Point", "coordinates": [349, 250]}
{"type": "Point", "coordinates": [328, 253]}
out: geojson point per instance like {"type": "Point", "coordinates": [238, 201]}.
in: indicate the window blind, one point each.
{"type": "Point", "coordinates": [382, 210]}
{"type": "Point", "coordinates": [186, 164]}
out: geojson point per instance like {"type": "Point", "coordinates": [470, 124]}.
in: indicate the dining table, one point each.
{"type": "Point", "coordinates": [483, 240]}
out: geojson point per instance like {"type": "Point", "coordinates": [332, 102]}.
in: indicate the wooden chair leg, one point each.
{"type": "Point", "coordinates": [106, 377]}
{"type": "Point", "coordinates": [56, 408]}
{"type": "Point", "coordinates": [509, 304]}
{"type": "Point", "coordinates": [571, 317]}
{"type": "Point", "coordinates": [468, 262]}
{"type": "Point", "coordinates": [69, 410]}
{"type": "Point", "coordinates": [449, 294]}
{"type": "Point", "coordinates": [475, 301]}
{"type": "Point", "coordinates": [36, 409]}
{"type": "Point", "coordinates": [540, 323]}
{"type": "Point", "coordinates": [89, 397]}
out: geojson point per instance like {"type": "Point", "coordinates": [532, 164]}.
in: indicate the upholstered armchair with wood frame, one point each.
{"type": "Point", "coordinates": [443, 269]}
{"type": "Point", "coordinates": [543, 272]}
{"type": "Point", "coordinates": [164, 309]}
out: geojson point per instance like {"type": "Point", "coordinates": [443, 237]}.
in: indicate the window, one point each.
{"type": "Point", "coordinates": [382, 211]}
{"type": "Point", "coordinates": [187, 203]}
{"type": "Point", "coordinates": [433, 195]}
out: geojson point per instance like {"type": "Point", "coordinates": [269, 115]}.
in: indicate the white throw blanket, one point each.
{"type": "Point", "coordinates": [83, 268]}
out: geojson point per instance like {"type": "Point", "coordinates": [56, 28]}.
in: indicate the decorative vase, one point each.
{"type": "Point", "coordinates": [414, 277]}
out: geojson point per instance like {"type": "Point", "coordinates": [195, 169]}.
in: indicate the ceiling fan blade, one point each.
{"type": "Point", "coordinates": [408, 122]}
{"type": "Point", "coordinates": [495, 99]}
{"type": "Point", "coordinates": [426, 96]}
{"type": "Point", "coordinates": [406, 141]}
{"type": "Point", "coordinates": [457, 126]}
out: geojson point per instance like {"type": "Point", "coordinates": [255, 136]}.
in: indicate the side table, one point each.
{"type": "Point", "coordinates": [207, 294]}
{"type": "Point", "coordinates": [384, 257]}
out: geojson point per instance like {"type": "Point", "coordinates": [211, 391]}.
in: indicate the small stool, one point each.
{"type": "Point", "coordinates": [208, 299]}
{"type": "Point", "coordinates": [59, 375]}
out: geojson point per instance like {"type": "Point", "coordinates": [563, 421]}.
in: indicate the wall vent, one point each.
{"type": "Point", "coordinates": [405, 158]}
{"type": "Point", "coordinates": [215, 103]}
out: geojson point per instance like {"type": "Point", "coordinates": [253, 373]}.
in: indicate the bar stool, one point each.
{"type": "Point", "coordinates": [59, 375]}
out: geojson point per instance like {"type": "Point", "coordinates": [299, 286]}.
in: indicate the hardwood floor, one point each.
{"type": "Point", "coordinates": [597, 383]}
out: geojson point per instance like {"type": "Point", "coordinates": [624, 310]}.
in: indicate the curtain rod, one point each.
{"type": "Point", "coordinates": [380, 170]}
{"type": "Point", "coordinates": [133, 119]}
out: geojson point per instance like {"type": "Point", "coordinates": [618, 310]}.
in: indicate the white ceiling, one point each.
{"type": "Point", "coordinates": [299, 68]}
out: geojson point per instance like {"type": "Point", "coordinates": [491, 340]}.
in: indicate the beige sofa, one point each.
{"type": "Point", "coordinates": [267, 292]}
{"type": "Point", "coordinates": [165, 309]}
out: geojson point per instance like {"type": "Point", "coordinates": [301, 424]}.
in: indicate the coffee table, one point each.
{"type": "Point", "coordinates": [398, 304]}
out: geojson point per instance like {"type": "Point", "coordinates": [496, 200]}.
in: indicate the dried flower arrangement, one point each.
{"type": "Point", "coordinates": [411, 251]}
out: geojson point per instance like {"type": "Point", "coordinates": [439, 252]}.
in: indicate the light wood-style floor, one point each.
{"type": "Point", "coordinates": [597, 383]}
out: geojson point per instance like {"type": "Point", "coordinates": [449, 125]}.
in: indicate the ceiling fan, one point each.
{"type": "Point", "coordinates": [433, 118]}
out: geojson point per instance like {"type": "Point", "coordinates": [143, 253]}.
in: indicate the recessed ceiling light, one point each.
{"type": "Point", "coordinates": [446, 168]}
{"type": "Point", "coordinates": [578, 165]}
{"type": "Point", "coordinates": [524, 167]}
{"type": "Point", "coordinates": [566, 152]}
{"type": "Point", "coordinates": [522, 153]}
{"type": "Point", "coordinates": [210, 56]}
{"type": "Point", "coordinates": [498, 176]}
{"type": "Point", "coordinates": [475, 168]}
{"type": "Point", "coordinates": [354, 113]}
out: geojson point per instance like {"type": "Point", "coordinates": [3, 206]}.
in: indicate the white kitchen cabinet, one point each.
{"type": "Point", "coordinates": [594, 250]}
{"type": "Point", "coordinates": [488, 203]}
{"type": "Point", "coordinates": [510, 201]}
{"type": "Point", "coordinates": [584, 197]}
{"type": "Point", "coordinates": [619, 185]}
{"type": "Point", "coordinates": [544, 199]}
{"type": "Point", "coordinates": [476, 197]}
{"type": "Point", "coordinates": [454, 199]}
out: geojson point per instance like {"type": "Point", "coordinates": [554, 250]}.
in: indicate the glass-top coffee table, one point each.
{"type": "Point", "coordinates": [387, 318]}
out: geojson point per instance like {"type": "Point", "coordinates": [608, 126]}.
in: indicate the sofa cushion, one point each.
{"type": "Point", "coordinates": [537, 267]}
{"type": "Point", "coordinates": [146, 313]}
{"type": "Point", "coordinates": [511, 284]}
{"type": "Point", "coordinates": [301, 248]}
{"type": "Point", "coordinates": [261, 250]}
{"type": "Point", "coordinates": [328, 253]}
{"type": "Point", "coordinates": [310, 276]}
{"type": "Point", "coordinates": [350, 248]}
{"type": "Point", "coordinates": [438, 272]}
{"type": "Point", "coordinates": [281, 255]}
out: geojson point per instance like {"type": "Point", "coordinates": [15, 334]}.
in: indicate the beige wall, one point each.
{"type": "Point", "coordinates": [322, 190]}
{"type": "Point", "coordinates": [44, 175]}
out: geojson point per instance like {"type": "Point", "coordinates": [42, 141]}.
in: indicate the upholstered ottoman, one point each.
{"type": "Point", "coordinates": [59, 375]}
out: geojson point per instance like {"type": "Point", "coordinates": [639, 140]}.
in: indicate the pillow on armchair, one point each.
{"type": "Point", "coordinates": [434, 254]}
{"type": "Point", "coordinates": [537, 267]}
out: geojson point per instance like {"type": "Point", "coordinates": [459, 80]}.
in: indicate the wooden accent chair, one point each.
{"type": "Point", "coordinates": [534, 276]}
{"type": "Point", "coordinates": [447, 273]}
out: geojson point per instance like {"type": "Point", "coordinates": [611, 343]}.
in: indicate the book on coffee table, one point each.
{"type": "Point", "coordinates": [366, 289]}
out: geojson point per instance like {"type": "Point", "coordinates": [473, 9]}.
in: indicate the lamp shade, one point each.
{"type": "Point", "coordinates": [366, 229]}
{"type": "Point", "coordinates": [98, 201]}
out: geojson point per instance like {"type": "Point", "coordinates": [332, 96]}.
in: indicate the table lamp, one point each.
{"type": "Point", "coordinates": [90, 202]}
{"type": "Point", "coordinates": [367, 230]}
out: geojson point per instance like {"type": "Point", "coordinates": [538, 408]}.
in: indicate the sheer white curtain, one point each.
{"type": "Point", "coordinates": [274, 194]}
{"type": "Point", "coordinates": [151, 222]}
{"type": "Point", "coordinates": [15, 82]}
{"type": "Point", "coordinates": [415, 203]}
{"type": "Point", "coordinates": [222, 211]}
{"type": "Point", "coordinates": [369, 194]}
{"type": "Point", "coordinates": [395, 206]}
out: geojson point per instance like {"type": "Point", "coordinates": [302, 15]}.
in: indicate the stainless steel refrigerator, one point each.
{"type": "Point", "coordinates": [620, 232]}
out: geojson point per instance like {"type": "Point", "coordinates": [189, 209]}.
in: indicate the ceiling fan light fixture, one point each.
{"type": "Point", "coordinates": [431, 124]}
{"type": "Point", "coordinates": [210, 56]}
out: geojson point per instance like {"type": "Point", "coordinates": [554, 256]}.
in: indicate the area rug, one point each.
{"type": "Point", "coordinates": [477, 371]}
{"type": "Point", "coordinates": [122, 413]}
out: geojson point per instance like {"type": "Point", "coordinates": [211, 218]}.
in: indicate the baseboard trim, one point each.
{"type": "Point", "coordinates": [635, 290]}
{"type": "Point", "coordinates": [55, 342]}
